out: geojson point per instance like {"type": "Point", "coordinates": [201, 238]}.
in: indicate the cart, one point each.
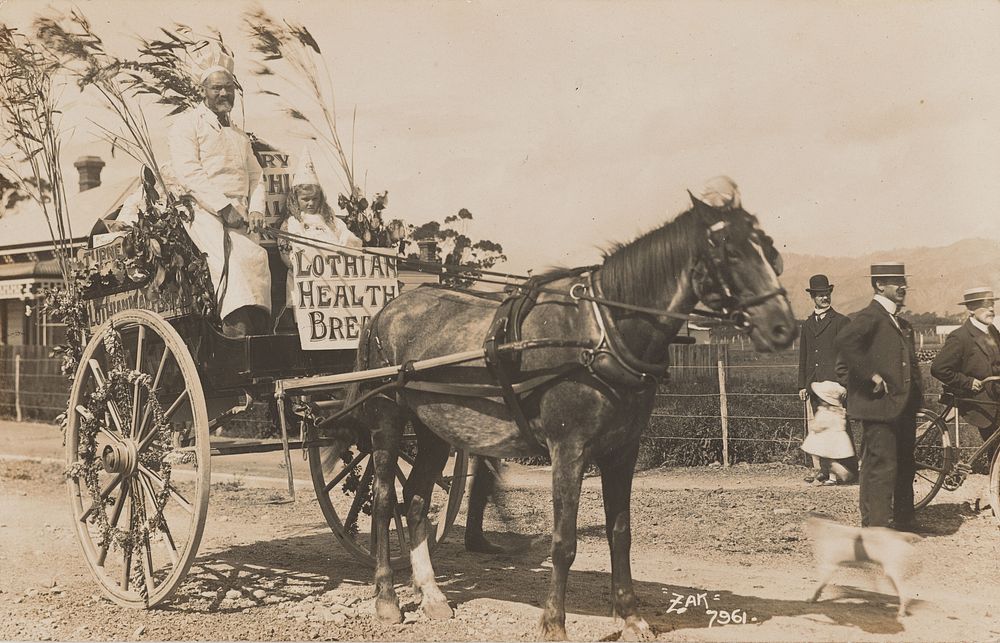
{"type": "Point", "coordinates": [154, 389]}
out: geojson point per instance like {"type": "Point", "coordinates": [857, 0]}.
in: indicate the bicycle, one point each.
{"type": "Point", "coordinates": [937, 456]}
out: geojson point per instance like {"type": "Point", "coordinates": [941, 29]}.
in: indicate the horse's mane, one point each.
{"type": "Point", "coordinates": [632, 270]}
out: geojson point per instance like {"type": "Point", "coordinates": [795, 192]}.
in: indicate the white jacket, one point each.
{"type": "Point", "coordinates": [217, 166]}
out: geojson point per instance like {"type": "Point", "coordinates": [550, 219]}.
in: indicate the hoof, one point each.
{"type": "Point", "coordinates": [553, 631]}
{"type": "Point", "coordinates": [637, 630]}
{"type": "Point", "coordinates": [387, 610]}
{"type": "Point", "coordinates": [479, 545]}
{"type": "Point", "coordinates": [437, 610]}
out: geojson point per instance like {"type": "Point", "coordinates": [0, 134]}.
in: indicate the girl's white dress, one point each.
{"type": "Point", "coordinates": [828, 436]}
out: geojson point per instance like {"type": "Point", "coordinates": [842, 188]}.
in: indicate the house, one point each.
{"type": "Point", "coordinates": [28, 264]}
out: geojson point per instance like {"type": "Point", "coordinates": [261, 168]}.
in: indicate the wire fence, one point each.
{"type": "Point", "coordinates": [720, 403]}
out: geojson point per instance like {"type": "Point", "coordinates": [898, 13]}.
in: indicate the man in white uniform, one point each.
{"type": "Point", "coordinates": [213, 161]}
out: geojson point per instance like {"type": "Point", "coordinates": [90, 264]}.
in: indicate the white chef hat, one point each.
{"type": "Point", "coordinates": [208, 57]}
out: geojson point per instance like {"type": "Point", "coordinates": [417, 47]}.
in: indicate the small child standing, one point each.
{"type": "Point", "coordinates": [828, 438]}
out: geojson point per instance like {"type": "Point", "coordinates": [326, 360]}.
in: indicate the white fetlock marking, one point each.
{"type": "Point", "coordinates": [423, 571]}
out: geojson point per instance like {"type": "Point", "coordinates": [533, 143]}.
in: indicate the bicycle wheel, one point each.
{"type": "Point", "coordinates": [932, 454]}
{"type": "Point", "coordinates": [995, 485]}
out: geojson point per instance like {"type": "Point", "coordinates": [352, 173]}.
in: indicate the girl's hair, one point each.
{"type": "Point", "coordinates": [293, 201]}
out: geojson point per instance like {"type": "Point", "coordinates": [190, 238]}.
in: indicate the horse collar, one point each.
{"type": "Point", "coordinates": [611, 358]}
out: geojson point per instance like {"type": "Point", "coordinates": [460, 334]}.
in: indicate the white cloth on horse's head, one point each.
{"type": "Point", "coordinates": [208, 57]}
{"type": "Point", "coordinates": [305, 171]}
{"type": "Point", "coordinates": [316, 227]}
{"type": "Point", "coordinates": [830, 392]}
{"type": "Point", "coordinates": [721, 192]}
{"type": "Point", "coordinates": [216, 165]}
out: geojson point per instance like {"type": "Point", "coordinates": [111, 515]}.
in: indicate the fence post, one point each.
{"type": "Point", "coordinates": [723, 409]}
{"type": "Point", "coordinates": [17, 386]}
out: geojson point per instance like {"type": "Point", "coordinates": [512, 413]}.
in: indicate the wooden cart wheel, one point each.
{"type": "Point", "coordinates": [137, 445]}
{"type": "Point", "coordinates": [342, 479]}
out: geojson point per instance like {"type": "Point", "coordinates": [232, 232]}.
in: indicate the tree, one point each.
{"type": "Point", "coordinates": [456, 248]}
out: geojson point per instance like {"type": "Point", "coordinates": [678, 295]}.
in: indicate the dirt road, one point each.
{"type": "Point", "coordinates": [717, 555]}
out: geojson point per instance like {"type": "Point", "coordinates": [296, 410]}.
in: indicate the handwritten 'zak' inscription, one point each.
{"type": "Point", "coordinates": [336, 294]}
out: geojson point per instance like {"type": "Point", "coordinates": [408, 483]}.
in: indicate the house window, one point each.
{"type": "Point", "coordinates": [50, 332]}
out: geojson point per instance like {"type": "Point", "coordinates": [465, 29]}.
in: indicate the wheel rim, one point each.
{"type": "Point", "coordinates": [932, 455]}
{"type": "Point", "coordinates": [137, 440]}
{"type": "Point", "coordinates": [345, 498]}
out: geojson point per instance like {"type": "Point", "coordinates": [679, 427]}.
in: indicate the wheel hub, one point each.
{"type": "Point", "coordinates": [120, 458]}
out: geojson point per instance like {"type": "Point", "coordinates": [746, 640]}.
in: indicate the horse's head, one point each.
{"type": "Point", "coordinates": [736, 275]}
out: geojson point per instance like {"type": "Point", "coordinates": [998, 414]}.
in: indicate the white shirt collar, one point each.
{"type": "Point", "coordinates": [978, 324]}
{"type": "Point", "coordinates": [888, 304]}
{"type": "Point", "coordinates": [819, 312]}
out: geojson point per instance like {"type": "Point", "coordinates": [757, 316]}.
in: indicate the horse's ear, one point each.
{"type": "Point", "coordinates": [708, 214]}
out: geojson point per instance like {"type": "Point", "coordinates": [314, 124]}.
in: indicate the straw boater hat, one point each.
{"type": "Point", "coordinates": [305, 171]}
{"type": "Point", "coordinates": [888, 269]}
{"type": "Point", "coordinates": [830, 392]}
{"type": "Point", "coordinates": [818, 284]}
{"type": "Point", "coordinates": [209, 57]}
{"type": "Point", "coordinates": [976, 295]}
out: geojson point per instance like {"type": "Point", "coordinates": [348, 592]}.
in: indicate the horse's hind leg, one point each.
{"type": "Point", "coordinates": [616, 488]}
{"type": "Point", "coordinates": [484, 482]}
{"type": "Point", "coordinates": [432, 454]}
{"type": "Point", "coordinates": [568, 463]}
{"type": "Point", "coordinates": [386, 427]}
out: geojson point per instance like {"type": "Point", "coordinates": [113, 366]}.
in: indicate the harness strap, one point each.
{"type": "Point", "coordinates": [497, 367]}
{"type": "Point", "coordinates": [490, 391]}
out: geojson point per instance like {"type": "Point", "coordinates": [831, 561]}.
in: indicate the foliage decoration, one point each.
{"type": "Point", "coordinates": [30, 127]}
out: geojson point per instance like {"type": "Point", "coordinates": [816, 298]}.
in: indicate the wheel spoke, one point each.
{"type": "Point", "coordinates": [108, 488]}
{"type": "Point", "coordinates": [359, 496]}
{"type": "Point", "coordinates": [929, 467]}
{"type": "Point", "coordinates": [181, 500]}
{"type": "Point", "coordinates": [176, 405]}
{"type": "Point", "coordinates": [147, 563]}
{"type": "Point", "coordinates": [115, 515]}
{"type": "Point", "coordinates": [98, 372]}
{"type": "Point", "coordinates": [140, 432]}
{"type": "Point", "coordinates": [140, 339]}
{"type": "Point", "coordinates": [400, 533]}
{"type": "Point", "coordinates": [343, 472]}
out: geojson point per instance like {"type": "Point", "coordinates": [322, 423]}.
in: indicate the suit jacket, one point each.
{"type": "Point", "coordinates": [968, 353]}
{"type": "Point", "coordinates": [871, 343]}
{"type": "Point", "coordinates": [817, 353]}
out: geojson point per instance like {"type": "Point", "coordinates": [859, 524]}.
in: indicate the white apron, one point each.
{"type": "Point", "coordinates": [216, 165]}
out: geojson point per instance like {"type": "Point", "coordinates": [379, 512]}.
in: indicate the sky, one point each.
{"type": "Point", "coordinates": [565, 126]}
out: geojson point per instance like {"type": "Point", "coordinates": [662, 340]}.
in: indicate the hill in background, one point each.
{"type": "Point", "coordinates": [938, 276]}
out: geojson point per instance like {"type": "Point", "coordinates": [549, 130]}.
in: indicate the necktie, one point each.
{"type": "Point", "coordinates": [223, 119]}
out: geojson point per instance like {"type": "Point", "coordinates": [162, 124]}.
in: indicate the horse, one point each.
{"type": "Point", "coordinates": [593, 404]}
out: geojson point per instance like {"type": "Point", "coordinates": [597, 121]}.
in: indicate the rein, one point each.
{"type": "Point", "coordinates": [732, 312]}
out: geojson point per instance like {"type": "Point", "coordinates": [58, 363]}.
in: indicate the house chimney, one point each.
{"type": "Point", "coordinates": [428, 250]}
{"type": "Point", "coordinates": [89, 168]}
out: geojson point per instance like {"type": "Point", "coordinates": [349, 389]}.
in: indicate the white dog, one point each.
{"type": "Point", "coordinates": [836, 545]}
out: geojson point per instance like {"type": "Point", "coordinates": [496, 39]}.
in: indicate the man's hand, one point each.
{"type": "Point", "coordinates": [977, 385]}
{"type": "Point", "coordinates": [256, 221]}
{"type": "Point", "coordinates": [803, 394]}
{"type": "Point", "coordinates": [231, 217]}
{"type": "Point", "coordinates": [880, 386]}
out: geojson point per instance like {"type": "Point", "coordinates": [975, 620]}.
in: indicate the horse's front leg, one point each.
{"type": "Point", "coordinates": [385, 448]}
{"type": "Point", "coordinates": [568, 463]}
{"type": "Point", "coordinates": [617, 471]}
{"type": "Point", "coordinates": [432, 454]}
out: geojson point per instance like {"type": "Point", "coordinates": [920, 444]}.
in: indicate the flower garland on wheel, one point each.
{"type": "Point", "coordinates": [144, 520]}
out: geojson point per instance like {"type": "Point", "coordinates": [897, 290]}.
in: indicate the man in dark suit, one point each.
{"type": "Point", "coordinates": [970, 355]}
{"type": "Point", "coordinates": [817, 355]}
{"type": "Point", "coordinates": [884, 393]}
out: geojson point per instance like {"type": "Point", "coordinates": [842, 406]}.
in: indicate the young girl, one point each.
{"type": "Point", "coordinates": [828, 437]}
{"type": "Point", "coordinates": [310, 217]}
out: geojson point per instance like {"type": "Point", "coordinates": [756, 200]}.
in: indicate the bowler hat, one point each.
{"type": "Point", "coordinates": [977, 294]}
{"type": "Point", "coordinates": [819, 283]}
{"type": "Point", "coordinates": [888, 269]}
